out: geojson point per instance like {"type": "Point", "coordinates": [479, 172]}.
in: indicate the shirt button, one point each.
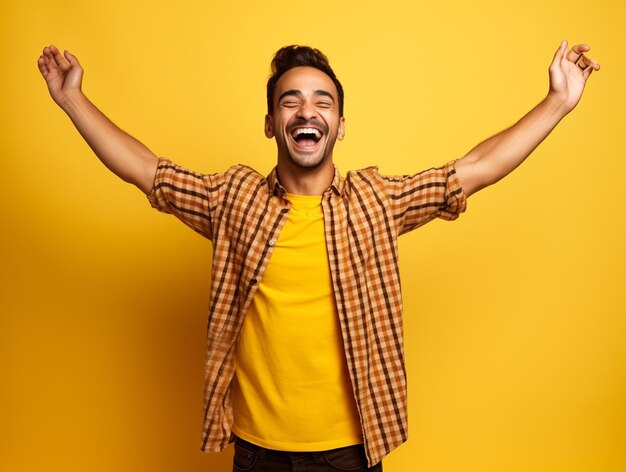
{"type": "Point", "coordinates": [271, 242]}
{"type": "Point", "coordinates": [253, 281]}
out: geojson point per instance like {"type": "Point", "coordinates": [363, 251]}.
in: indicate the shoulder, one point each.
{"type": "Point", "coordinates": [242, 172]}
{"type": "Point", "coordinates": [364, 171]}
{"type": "Point", "coordinates": [373, 173]}
{"type": "Point", "coordinates": [364, 181]}
{"type": "Point", "coordinates": [367, 176]}
{"type": "Point", "coordinates": [241, 180]}
{"type": "Point", "coordinates": [363, 174]}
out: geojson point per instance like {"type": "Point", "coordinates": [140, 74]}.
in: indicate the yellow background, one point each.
{"type": "Point", "coordinates": [515, 334]}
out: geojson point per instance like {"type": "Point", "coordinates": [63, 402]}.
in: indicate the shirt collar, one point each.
{"type": "Point", "coordinates": [277, 189]}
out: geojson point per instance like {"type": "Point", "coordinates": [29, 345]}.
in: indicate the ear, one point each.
{"type": "Point", "coordinates": [341, 132]}
{"type": "Point", "coordinates": [269, 126]}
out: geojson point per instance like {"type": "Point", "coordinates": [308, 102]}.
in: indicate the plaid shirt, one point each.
{"type": "Point", "coordinates": [242, 213]}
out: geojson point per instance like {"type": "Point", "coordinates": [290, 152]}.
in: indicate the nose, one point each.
{"type": "Point", "coordinates": [307, 110]}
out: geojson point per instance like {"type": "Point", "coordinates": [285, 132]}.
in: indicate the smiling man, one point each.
{"type": "Point", "coordinates": [305, 116]}
{"type": "Point", "coordinates": [304, 358]}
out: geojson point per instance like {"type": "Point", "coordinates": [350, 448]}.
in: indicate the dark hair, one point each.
{"type": "Point", "coordinates": [292, 56]}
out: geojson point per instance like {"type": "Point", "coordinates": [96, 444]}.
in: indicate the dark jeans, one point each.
{"type": "Point", "coordinates": [250, 457]}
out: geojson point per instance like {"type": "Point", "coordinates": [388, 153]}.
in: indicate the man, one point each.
{"type": "Point", "coordinates": [304, 360]}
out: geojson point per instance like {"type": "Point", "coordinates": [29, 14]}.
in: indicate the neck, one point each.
{"type": "Point", "coordinates": [301, 181]}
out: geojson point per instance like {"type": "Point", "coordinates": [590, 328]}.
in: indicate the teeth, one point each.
{"type": "Point", "coordinates": [314, 131]}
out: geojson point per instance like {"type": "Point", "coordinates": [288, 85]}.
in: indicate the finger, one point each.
{"type": "Point", "coordinates": [577, 51]}
{"type": "Point", "coordinates": [584, 62]}
{"type": "Point", "coordinates": [62, 62]}
{"type": "Point", "coordinates": [558, 55]}
{"type": "Point", "coordinates": [72, 59]}
{"type": "Point", "coordinates": [41, 63]}
{"type": "Point", "coordinates": [50, 56]}
{"type": "Point", "coordinates": [45, 63]}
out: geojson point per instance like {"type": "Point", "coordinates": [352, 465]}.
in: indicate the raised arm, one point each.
{"type": "Point", "coordinates": [121, 153]}
{"type": "Point", "coordinates": [499, 155]}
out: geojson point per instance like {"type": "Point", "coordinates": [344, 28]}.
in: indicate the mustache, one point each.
{"type": "Point", "coordinates": [301, 122]}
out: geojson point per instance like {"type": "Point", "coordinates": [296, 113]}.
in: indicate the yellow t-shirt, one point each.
{"type": "Point", "coordinates": [292, 389]}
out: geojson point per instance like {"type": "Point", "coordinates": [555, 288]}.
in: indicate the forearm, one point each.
{"type": "Point", "coordinates": [499, 155]}
{"type": "Point", "coordinates": [124, 155]}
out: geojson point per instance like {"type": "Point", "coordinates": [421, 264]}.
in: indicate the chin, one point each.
{"type": "Point", "coordinates": [307, 163]}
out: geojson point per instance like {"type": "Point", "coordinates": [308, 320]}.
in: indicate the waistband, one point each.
{"type": "Point", "coordinates": [315, 455]}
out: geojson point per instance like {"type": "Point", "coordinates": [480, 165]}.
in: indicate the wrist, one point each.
{"type": "Point", "coordinates": [557, 104]}
{"type": "Point", "coordinates": [71, 100]}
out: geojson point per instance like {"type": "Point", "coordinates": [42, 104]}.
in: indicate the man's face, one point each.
{"type": "Point", "coordinates": [305, 120]}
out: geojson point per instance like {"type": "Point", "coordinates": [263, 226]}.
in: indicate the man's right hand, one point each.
{"type": "Point", "coordinates": [125, 156]}
{"type": "Point", "coordinates": [63, 73]}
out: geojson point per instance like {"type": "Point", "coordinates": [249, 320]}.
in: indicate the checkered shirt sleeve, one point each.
{"type": "Point", "coordinates": [419, 198]}
{"type": "Point", "coordinates": [190, 196]}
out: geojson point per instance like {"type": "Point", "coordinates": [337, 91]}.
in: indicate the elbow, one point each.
{"type": "Point", "coordinates": [474, 175]}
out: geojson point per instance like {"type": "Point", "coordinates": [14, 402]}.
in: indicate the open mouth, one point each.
{"type": "Point", "coordinates": [306, 136]}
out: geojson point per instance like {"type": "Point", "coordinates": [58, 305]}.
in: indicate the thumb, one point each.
{"type": "Point", "coordinates": [560, 53]}
{"type": "Point", "coordinates": [71, 58]}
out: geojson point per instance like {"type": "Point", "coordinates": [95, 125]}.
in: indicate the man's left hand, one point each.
{"type": "Point", "coordinates": [569, 72]}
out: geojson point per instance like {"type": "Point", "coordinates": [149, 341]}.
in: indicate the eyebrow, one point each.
{"type": "Point", "coordinates": [298, 93]}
